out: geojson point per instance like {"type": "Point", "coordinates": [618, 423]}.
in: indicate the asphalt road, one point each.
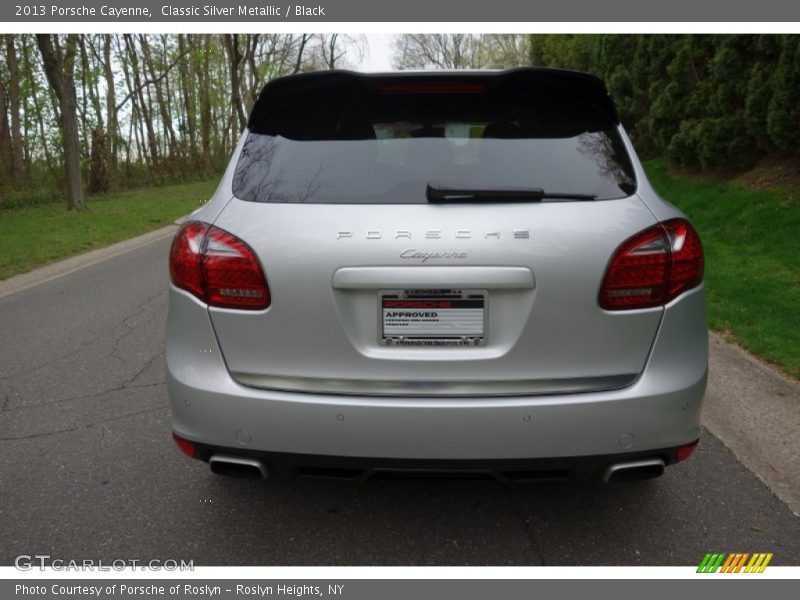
{"type": "Point", "coordinates": [88, 469]}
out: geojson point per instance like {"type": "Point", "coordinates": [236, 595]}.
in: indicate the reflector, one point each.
{"type": "Point", "coordinates": [187, 447]}
{"type": "Point", "coordinates": [685, 452]}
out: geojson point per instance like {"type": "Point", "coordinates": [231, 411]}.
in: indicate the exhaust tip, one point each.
{"type": "Point", "coordinates": [635, 470]}
{"type": "Point", "coordinates": [238, 466]}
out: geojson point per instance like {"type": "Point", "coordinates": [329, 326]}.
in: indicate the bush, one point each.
{"type": "Point", "coordinates": [705, 101]}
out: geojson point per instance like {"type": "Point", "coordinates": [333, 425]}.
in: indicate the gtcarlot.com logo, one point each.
{"type": "Point", "coordinates": [734, 562]}
{"type": "Point", "coordinates": [28, 562]}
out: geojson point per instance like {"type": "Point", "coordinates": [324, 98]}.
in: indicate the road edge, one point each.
{"type": "Point", "coordinates": [24, 281]}
{"type": "Point", "coordinates": [754, 409]}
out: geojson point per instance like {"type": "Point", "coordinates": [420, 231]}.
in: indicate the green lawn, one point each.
{"type": "Point", "coordinates": [752, 245]}
{"type": "Point", "coordinates": [35, 236]}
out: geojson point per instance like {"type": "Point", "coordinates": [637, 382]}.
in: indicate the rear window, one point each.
{"type": "Point", "coordinates": [385, 148]}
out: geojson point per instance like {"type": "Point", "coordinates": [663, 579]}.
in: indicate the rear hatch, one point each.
{"type": "Point", "coordinates": [435, 235]}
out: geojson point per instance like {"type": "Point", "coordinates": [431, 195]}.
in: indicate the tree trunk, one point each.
{"type": "Point", "coordinates": [187, 86]}
{"type": "Point", "coordinates": [83, 110]}
{"type": "Point", "coordinates": [301, 47]}
{"type": "Point", "coordinates": [254, 77]}
{"type": "Point", "coordinates": [59, 67]}
{"type": "Point", "coordinates": [36, 100]}
{"type": "Point", "coordinates": [144, 106]}
{"type": "Point", "coordinates": [135, 120]}
{"type": "Point", "coordinates": [235, 59]}
{"type": "Point", "coordinates": [205, 106]}
{"type": "Point", "coordinates": [329, 55]}
{"type": "Point", "coordinates": [98, 166]}
{"type": "Point", "coordinates": [111, 104]}
{"type": "Point", "coordinates": [169, 97]}
{"type": "Point", "coordinates": [5, 136]}
{"type": "Point", "coordinates": [163, 109]}
{"type": "Point", "coordinates": [91, 91]}
{"type": "Point", "coordinates": [17, 168]}
{"type": "Point", "coordinates": [98, 148]}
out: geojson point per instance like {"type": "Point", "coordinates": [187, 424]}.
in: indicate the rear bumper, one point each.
{"type": "Point", "coordinates": [659, 412]}
{"type": "Point", "coordinates": [573, 468]}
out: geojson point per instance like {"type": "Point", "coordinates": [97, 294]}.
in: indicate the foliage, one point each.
{"type": "Point", "coordinates": [38, 235]}
{"type": "Point", "coordinates": [703, 101]}
{"type": "Point", "coordinates": [752, 259]}
{"type": "Point", "coordinates": [150, 108]}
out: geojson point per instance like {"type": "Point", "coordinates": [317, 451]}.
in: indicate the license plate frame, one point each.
{"type": "Point", "coordinates": [449, 329]}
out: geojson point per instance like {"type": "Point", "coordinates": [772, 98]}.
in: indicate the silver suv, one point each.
{"type": "Point", "coordinates": [449, 273]}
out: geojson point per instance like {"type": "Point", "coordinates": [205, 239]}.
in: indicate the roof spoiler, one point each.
{"type": "Point", "coordinates": [545, 82]}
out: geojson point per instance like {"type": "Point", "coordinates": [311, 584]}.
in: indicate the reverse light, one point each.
{"type": "Point", "coordinates": [653, 267]}
{"type": "Point", "coordinates": [218, 268]}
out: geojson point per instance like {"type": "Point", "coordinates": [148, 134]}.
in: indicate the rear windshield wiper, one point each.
{"type": "Point", "coordinates": [438, 192]}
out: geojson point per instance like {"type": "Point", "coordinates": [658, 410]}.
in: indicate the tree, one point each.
{"type": "Point", "coordinates": [204, 83]}
{"type": "Point", "coordinates": [502, 51]}
{"type": "Point", "coordinates": [236, 63]}
{"type": "Point", "coordinates": [5, 133]}
{"type": "Point", "coordinates": [301, 46]}
{"type": "Point", "coordinates": [111, 106]}
{"type": "Point", "coordinates": [14, 109]}
{"type": "Point", "coordinates": [153, 79]}
{"type": "Point", "coordinates": [438, 51]}
{"type": "Point", "coordinates": [146, 107]}
{"type": "Point", "coordinates": [186, 84]}
{"type": "Point", "coordinates": [330, 53]}
{"type": "Point", "coordinates": [59, 67]}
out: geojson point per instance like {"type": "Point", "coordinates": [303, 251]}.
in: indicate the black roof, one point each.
{"type": "Point", "coordinates": [549, 83]}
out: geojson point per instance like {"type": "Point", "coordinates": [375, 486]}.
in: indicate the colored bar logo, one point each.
{"type": "Point", "coordinates": [734, 562]}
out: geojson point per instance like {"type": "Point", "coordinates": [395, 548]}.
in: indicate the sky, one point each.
{"type": "Point", "coordinates": [378, 56]}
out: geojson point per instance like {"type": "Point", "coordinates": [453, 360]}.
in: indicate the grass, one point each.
{"type": "Point", "coordinates": [752, 246]}
{"type": "Point", "coordinates": [35, 236]}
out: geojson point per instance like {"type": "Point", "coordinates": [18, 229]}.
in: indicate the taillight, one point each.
{"type": "Point", "coordinates": [687, 257]}
{"type": "Point", "coordinates": [184, 258]}
{"type": "Point", "coordinates": [233, 275]}
{"type": "Point", "coordinates": [653, 267]}
{"type": "Point", "coordinates": [218, 268]}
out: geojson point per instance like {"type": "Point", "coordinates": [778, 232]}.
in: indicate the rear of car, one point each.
{"type": "Point", "coordinates": [460, 273]}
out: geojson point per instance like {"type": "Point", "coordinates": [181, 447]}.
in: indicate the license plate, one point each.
{"type": "Point", "coordinates": [433, 318]}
